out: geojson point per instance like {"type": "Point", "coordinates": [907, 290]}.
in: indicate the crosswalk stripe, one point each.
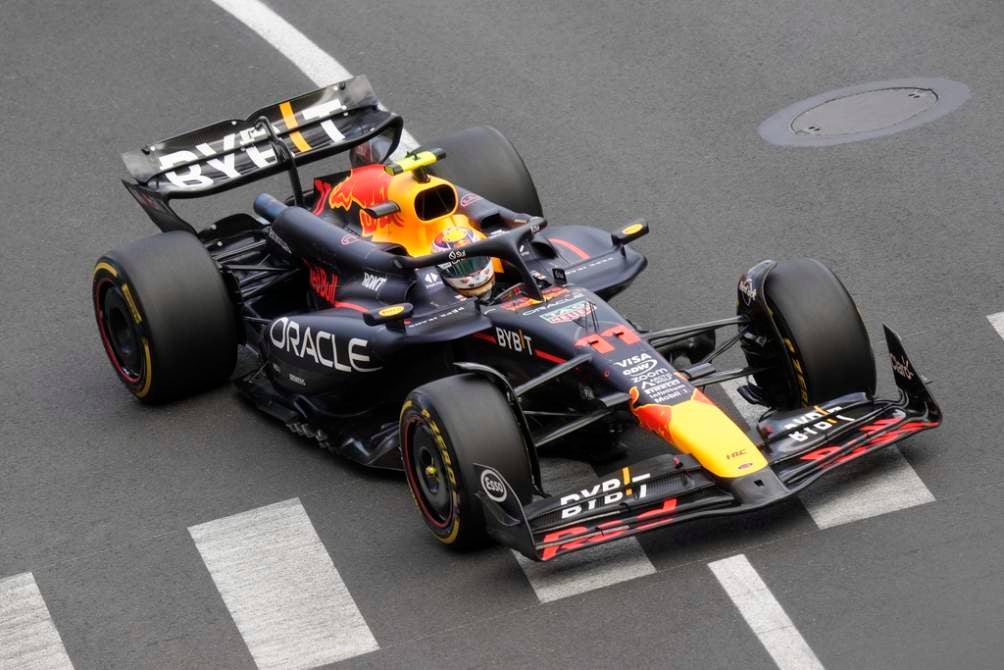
{"type": "Point", "coordinates": [282, 589]}
{"type": "Point", "coordinates": [997, 321]}
{"type": "Point", "coordinates": [881, 483]}
{"type": "Point", "coordinates": [28, 637]}
{"type": "Point", "coordinates": [589, 569]}
{"type": "Point", "coordinates": [764, 614]}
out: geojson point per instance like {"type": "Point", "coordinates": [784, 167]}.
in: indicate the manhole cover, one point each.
{"type": "Point", "coordinates": [863, 112]}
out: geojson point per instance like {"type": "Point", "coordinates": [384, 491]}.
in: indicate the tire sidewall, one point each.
{"type": "Point", "coordinates": [465, 509]}
{"type": "Point", "coordinates": [819, 358]}
{"type": "Point", "coordinates": [108, 276]}
{"type": "Point", "coordinates": [182, 308]}
{"type": "Point", "coordinates": [501, 447]}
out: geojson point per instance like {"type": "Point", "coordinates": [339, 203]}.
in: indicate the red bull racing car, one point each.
{"type": "Point", "coordinates": [416, 311]}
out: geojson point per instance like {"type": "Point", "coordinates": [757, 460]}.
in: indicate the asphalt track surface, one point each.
{"type": "Point", "coordinates": [648, 109]}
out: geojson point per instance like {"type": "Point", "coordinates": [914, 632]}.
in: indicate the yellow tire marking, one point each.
{"type": "Point", "coordinates": [107, 268]}
{"type": "Point", "coordinates": [289, 118]}
{"type": "Point", "coordinates": [132, 304]}
{"type": "Point", "coordinates": [148, 370]}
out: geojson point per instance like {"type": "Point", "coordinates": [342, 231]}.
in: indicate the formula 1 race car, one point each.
{"type": "Point", "coordinates": [415, 310]}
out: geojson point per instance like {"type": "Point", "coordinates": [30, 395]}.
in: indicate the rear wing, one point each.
{"type": "Point", "coordinates": [234, 152]}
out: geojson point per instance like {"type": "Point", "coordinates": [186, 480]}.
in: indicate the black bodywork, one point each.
{"type": "Point", "coordinates": [337, 370]}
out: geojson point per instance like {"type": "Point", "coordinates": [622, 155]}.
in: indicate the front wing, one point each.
{"type": "Point", "coordinates": [799, 446]}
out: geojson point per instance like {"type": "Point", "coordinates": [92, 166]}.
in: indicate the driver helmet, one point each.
{"type": "Point", "coordinates": [471, 276]}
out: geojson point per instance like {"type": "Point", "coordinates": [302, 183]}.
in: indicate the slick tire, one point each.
{"type": "Point", "coordinates": [165, 317]}
{"type": "Point", "coordinates": [484, 162]}
{"type": "Point", "coordinates": [446, 427]}
{"type": "Point", "coordinates": [826, 350]}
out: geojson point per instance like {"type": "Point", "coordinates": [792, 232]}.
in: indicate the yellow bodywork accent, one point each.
{"type": "Point", "coordinates": [633, 229]}
{"type": "Point", "coordinates": [698, 427]}
{"type": "Point", "coordinates": [412, 162]}
{"type": "Point", "coordinates": [707, 433]}
{"type": "Point", "coordinates": [393, 310]}
{"type": "Point", "coordinates": [289, 118]}
{"type": "Point", "coordinates": [405, 227]}
{"type": "Point", "coordinates": [416, 235]}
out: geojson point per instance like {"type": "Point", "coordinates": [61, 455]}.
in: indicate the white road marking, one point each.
{"type": "Point", "coordinates": [311, 59]}
{"type": "Point", "coordinates": [283, 592]}
{"type": "Point", "coordinates": [880, 483]}
{"type": "Point", "coordinates": [28, 638]}
{"type": "Point", "coordinates": [877, 484]}
{"type": "Point", "coordinates": [997, 321]}
{"type": "Point", "coordinates": [589, 569]}
{"type": "Point", "coordinates": [764, 614]}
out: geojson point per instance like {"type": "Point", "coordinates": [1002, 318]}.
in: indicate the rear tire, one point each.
{"type": "Point", "coordinates": [446, 427]}
{"type": "Point", "coordinates": [483, 161]}
{"type": "Point", "coordinates": [824, 350]}
{"type": "Point", "coordinates": [164, 316]}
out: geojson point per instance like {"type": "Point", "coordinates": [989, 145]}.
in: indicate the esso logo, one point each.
{"type": "Point", "coordinates": [493, 486]}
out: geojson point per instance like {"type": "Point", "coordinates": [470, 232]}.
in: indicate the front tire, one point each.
{"type": "Point", "coordinates": [165, 317]}
{"type": "Point", "coordinates": [446, 427]}
{"type": "Point", "coordinates": [824, 351]}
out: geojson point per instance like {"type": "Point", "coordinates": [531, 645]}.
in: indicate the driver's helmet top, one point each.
{"type": "Point", "coordinates": [470, 276]}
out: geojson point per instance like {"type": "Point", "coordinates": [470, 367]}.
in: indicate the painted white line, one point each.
{"type": "Point", "coordinates": [311, 59]}
{"type": "Point", "coordinates": [283, 592]}
{"type": "Point", "coordinates": [997, 321]}
{"type": "Point", "coordinates": [877, 484]}
{"type": "Point", "coordinates": [589, 569]}
{"type": "Point", "coordinates": [765, 616]}
{"type": "Point", "coordinates": [28, 638]}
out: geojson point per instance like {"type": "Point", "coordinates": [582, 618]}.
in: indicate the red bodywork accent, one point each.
{"type": "Point", "coordinates": [893, 435]}
{"type": "Point", "coordinates": [597, 342]}
{"type": "Point", "coordinates": [581, 536]}
{"type": "Point", "coordinates": [325, 285]}
{"type": "Point", "coordinates": [321, 191]}
{"type": "Point", "coordinates": [539, 354]}
{"type": "Point", "coordinates": [600, 343]}
{"type": "Point", "coordinates": [655, 418]}
{"type": "Point", "coordinates": [571, 247]}
{"type": "Point", "coordinates": [667, 507]}
{"type": "Point", "coordinates": [622, 333]}
{"type": "Point", "coordinates": [365, 186]}
{"type": "Point", "coordinates": [548, 357]}
{"type": "Point", "coordinates": [521, 301]}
